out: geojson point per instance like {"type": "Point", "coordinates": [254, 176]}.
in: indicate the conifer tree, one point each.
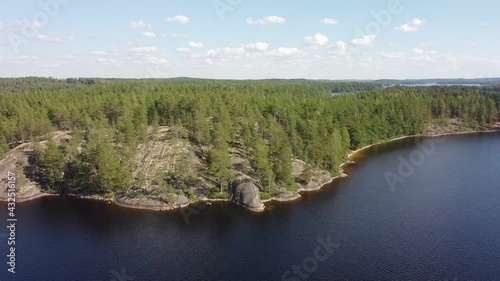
{"type": "Point", "coordinates": [260, 163]}
{"type": "Point", "coordinates": [52, 166]}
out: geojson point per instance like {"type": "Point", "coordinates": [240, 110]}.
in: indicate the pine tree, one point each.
{"type": "Point", "coordinates": [219, 164]}
{"type": "Point", "coordinates": [307, 174]}
{"type": "Point", "coordinates": [4, 146]}
{"type": "Point", "coordinates": [201, 130]}
{"type": "Point", "coordinates": [101, 168]}
{"type": "Point", "coordinates": [260, 163]}
{"type": "Point", "coordinates": [219, 161]}
{"type": "Point", "coordinates": [280, 154]}
{"type": "Point", "coordinates": [346, 139]}
{"type": "Point", "coordinates": [52, 166]}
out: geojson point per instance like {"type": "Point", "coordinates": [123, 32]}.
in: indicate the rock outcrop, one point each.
{"type": "Point", "coordinates": [17, 161]}
{"type": "Point", "coordinates": [318, 181]}
{"type": "Point", "coordinates": [143, 201]}
{"type": "Point", "coordinates": [287, 196]}
{"type": "Point", "coordinates": [247, 194]}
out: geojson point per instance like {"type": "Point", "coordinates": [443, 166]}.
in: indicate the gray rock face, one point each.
{"type": "Point", "coordinates": [181, 201]}
{"type": "Point", "coordinates": [247, 194]}
{"type": "Point", "coordinates": [287, 196]}
{"type": "Point", "coordinates": [318, 181]}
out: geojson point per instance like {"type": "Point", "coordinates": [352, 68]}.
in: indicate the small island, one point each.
{"type": "Point", "coordinates": [166, 144]}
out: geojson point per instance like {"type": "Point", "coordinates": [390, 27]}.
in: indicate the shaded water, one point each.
{"type": "Point", "coordinates": [441, 223]}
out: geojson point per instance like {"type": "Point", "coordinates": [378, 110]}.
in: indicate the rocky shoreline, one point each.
{"type": "Point", "coordinates": [245, 194]}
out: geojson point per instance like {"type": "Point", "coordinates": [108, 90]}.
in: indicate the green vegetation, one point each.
{"type": "Point", "coordinates": [271, 122]}
{"type": "Point", "coordinates": [219, 195]}
{"type": "Point", "coordinates": [265, 196]}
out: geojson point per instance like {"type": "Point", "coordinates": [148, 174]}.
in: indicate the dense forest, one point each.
{"type": "Point", "coordinates": [271, 122]}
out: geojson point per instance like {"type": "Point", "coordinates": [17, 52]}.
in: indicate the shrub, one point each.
{"type": "Point", "coordinates": [265, 196]}
{"type": "Point", "coordinates": [218, 195]}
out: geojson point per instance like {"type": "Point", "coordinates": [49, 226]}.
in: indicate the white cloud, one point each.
{"type": "Point", "coordinates": [47, 38]}
{"type": "Point", "coordinates": [415, 54]}
{"type": "Point", "coordinates": [178, 19]}
{"type": "Point", "coordinates": [259, 46]}
{"type": "Point", "coordinates": [329, 21]}
{"type": "Point", "coordinates": [340, 48]}
{"type": "Point", "coordinates": [417, 22]}
{"type": "Point", "coordinates": [317, 39]}
{"type": "Point", "coordinates": [1, 26]}
{"type": "Point", "coordinates": [144, 50]}
{"type": "Point", "coordinates": [195, 45]}
{"type": "Point", "coordinates": [99, 53]}
{"type": "Point", "coordinates": [284, 52]}
{"type": "Point", "coordinates": [407, 28]}
{"type": "Point", "coordinates": [393, 55]}
{"type": "Point", "coordinates": [149, 34]}
{"type": "Point", "coordinates": [421, 58]}
{"type": "Point", "coordinates": [219, 55]}
{"type": "Point", "coordinates": [146, 56]}
{"type": "Point", "coordinates": [412, 26]}
{"type": "Point", "coordinates": [107, 61]}
{"type": "Point", "coordinates": [68, 59]}
{"type": "Point", "coordinates": [266, 20]}
{"type": "Point", "coordinates": [417, 51]}
{"type": "Point", "coordinates": [179, 35]}
{"type": "Point", "coordinates": [226, 52]}
{"type": "Point", "coordinates": [367, 40]}
{"type": "Point", "coordinates": [138, 24]}
{"type": "Point", "coordinates": [184, 50]}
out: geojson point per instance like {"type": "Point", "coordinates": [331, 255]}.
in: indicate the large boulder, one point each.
{"type": "Point", "coordinates": [247, 194]}
{"type": "Point", "coordinates": [287, 196]}
{"type": "Point", "coordinates": [181, 201]}
{"type": "Point", "coordinates": [318, 181]}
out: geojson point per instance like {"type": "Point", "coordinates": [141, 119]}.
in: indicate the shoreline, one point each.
{"type": "Point", "coordinates": [357, 151]}
{"type": "Point", "coordinates": [276, 199]}
{"type": "Point", "coordinates": [40, 195]}
{"type": "Point", "coordinates": [352, 153]}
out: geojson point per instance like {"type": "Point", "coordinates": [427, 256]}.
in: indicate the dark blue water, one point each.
{"type": "Point", "coordinates": [439, 221]}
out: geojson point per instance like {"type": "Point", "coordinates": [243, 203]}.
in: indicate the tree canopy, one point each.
{"type": "Point", "coordinates": [273, 121]}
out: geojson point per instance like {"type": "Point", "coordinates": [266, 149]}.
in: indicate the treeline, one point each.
{"type": "Point", "coordinates": [34, 84]}
{"type": "Point", "coordinates": [451, 81]}
{"type": "Point", "coordinates": [270, 122]}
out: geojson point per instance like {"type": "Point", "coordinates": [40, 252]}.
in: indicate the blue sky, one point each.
{"type": "Point", "coordinates": [250, 39]}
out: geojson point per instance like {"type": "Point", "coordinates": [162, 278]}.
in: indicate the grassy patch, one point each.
{"type": "Point", "coordinates": [51, 190]}
{"type": "Point", "coordinates": [293, 187]}
{"type": "Point", "coordinates": [109, 195]}
{"type": "Point", "coordinates": [265, 196]}
{"type": "Point", "coordinates": [218, 195]}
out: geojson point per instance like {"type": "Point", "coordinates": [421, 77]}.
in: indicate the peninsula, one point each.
{"type": "Point", "coordinates": [165, 144]}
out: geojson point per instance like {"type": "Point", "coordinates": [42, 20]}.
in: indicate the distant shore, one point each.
{"type": "Point", "coordinates": [293, 196]}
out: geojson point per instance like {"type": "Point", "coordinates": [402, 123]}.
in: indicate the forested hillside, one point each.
{"type": "Point", "coordinates": [268, 123]}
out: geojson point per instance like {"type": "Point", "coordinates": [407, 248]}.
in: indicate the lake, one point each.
{"type": "Point", "coordinates": [414, 209]}
{"type": "Point", "coordinates": [433, 85]}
